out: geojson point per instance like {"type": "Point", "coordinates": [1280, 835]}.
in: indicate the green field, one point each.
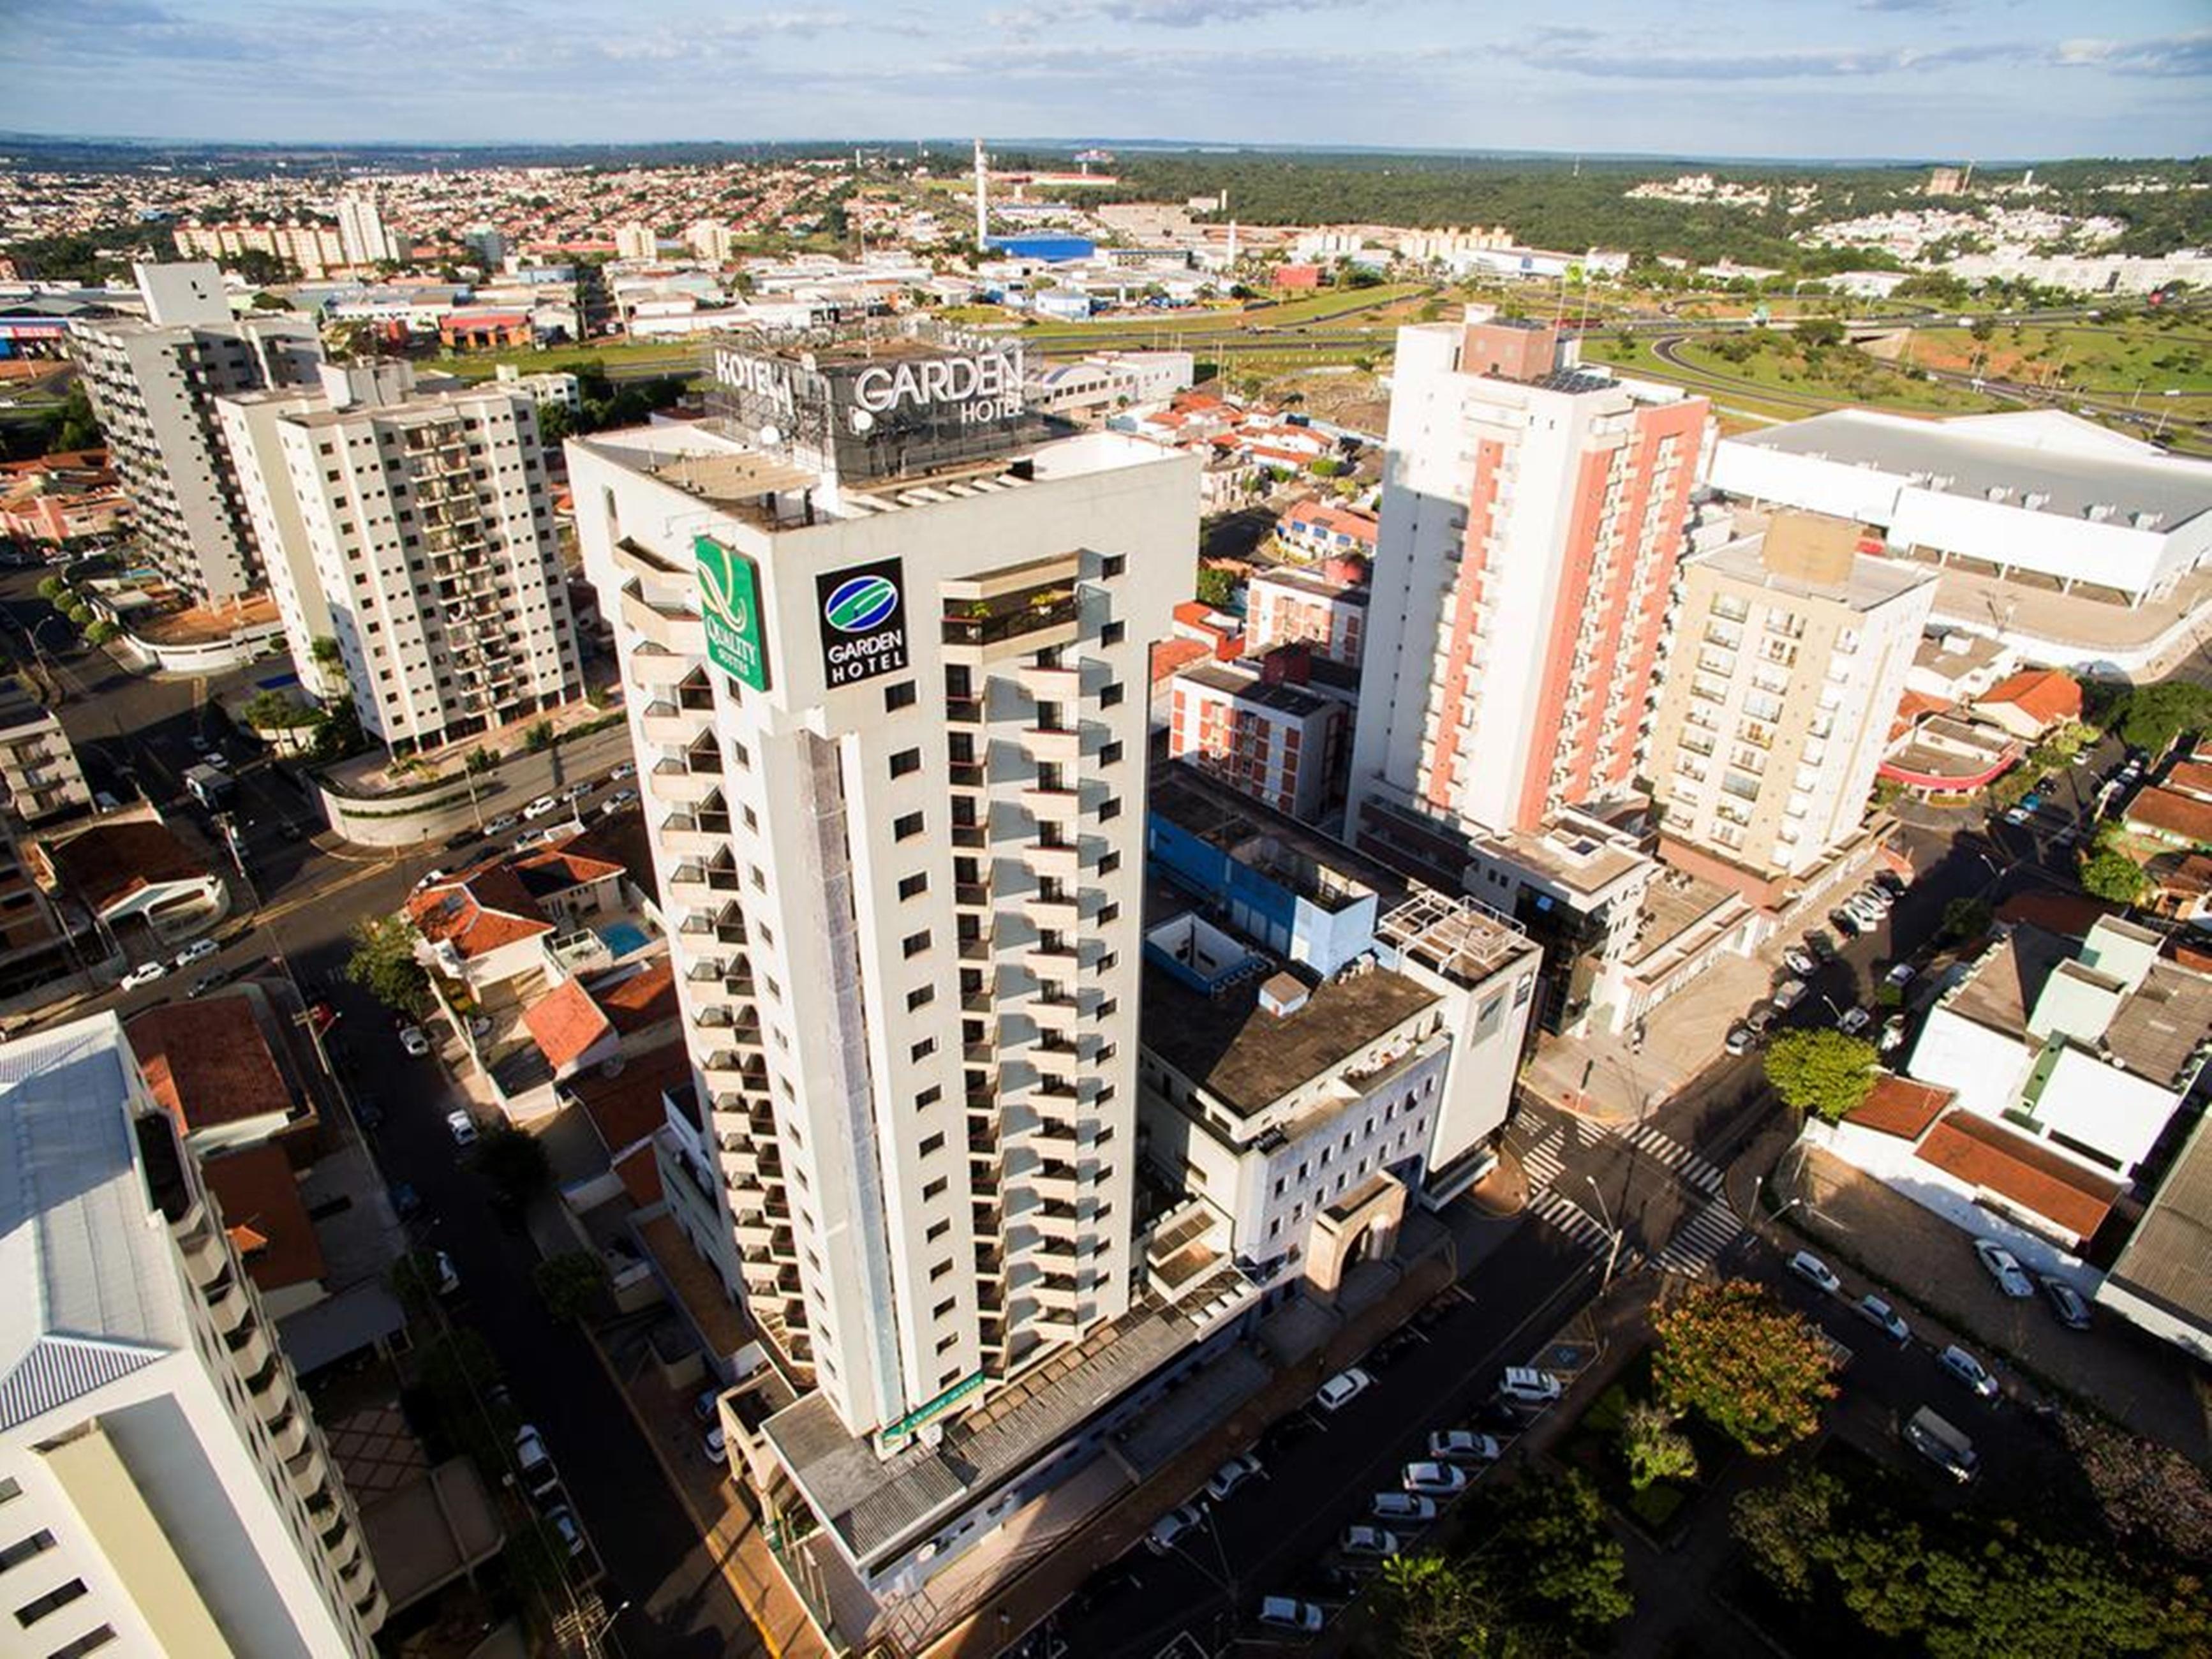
{"type": "Point", "coordinates": [1349, 304]}
{"type": "Point", "coordinates": [1775, 376]}
{"type": "Point", "coordinates": [678, 358]}
{"type": "Point", "coordinates": [2111, 360]}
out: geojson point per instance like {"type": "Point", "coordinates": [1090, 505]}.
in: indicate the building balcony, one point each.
{"type": "Point", "coordinates": [968, 775]}
{"type": "Point", "coordinates": [1059, 745]}
{"type": "Point", "coordinates": [678, 784]}
{"type": "Point", "coordinates": [307, 1472]}
{"type": "Point", "coordinates": [1063, 914]}
{"type": "Point", "coordinates": [1063, 1016]}
{"type": "Point", "coordinates": [250, 1349]}
{"type": "Point", "coordinates": [964, 711]}
{"type": "Point", "coordinates": [654, 666]}
{"type": "Point", "coordinates": [670, 627]}
{"type": "Point", "coordinates": [1052, 960]}
{"type": "Point", "coordinates": [1063, 862]}
{"type": "Point", "coordinates": [976, 948]}
{"type": "Point", "coordinates": [1049, 684]}
{"type": "Point", "coordinates": [702, 833]}
{"type": "Point", "coordinates": [1061, 806]}
{"type": "Point", "coordinates": [1056, 1059]}
{"type": "Point", "coordinates": [972, 894]}
{"type": "Point", "coordinates": [673, 726]}
{"type": "Point", "coordinates": [697, 883]}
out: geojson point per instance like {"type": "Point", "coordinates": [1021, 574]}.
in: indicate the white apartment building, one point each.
{"type": "Point", "coordinates": [1284, 606]}
{"type": "Point", "coordinates": [39, 770]}
{"type": "Point", "coordinates": [154, 383]}
{"type": "Point", "coordinates": [885, 662]}
{"type": "Point", "coordinates": [714, 243]}
{"type": "Point", "coordinates": [414, 526]}
{"type": "Point", "coordinates": [362, 233]}
{"type": "Point", "coordinates": [164, 1488]}
{"type": "Point", "coordinates": [635, 242]}
{"type": "Point", "coordinates": [1791, 652]}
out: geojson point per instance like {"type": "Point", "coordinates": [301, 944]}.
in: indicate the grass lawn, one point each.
{"type": "Point", "coordinates": [679, 357]}
{"type": "Point", "coordinates": [1289, 313]}
{"type": "Point", "coordinates": [2134, 352]}
{"type": "Point", "coordinates": [1593, 1447]}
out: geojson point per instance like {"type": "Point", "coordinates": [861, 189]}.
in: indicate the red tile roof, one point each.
{"type": "Point", "coordinates": [262, 1211]}
{"type": "Point", "coordinates": [207, 1062]}
{"type": "Point", "coordinates": [641, 1001]}
{"type": "Point", "coordinates": [1989, 1156]}
{"type": "Point", "coordinates": [2191, 778]}
{"type": "Point", "coordinates": [109, 862]}
{"type": "Point", "coordinates": [479, 910]}
{"type": "Point", "coordinates": [1170, 655]}
{"type": "Point", "coordinates": [1899, 1106]}
{"type": "Point", "coordinates": [2044, 695]}
{"type": "Point", "coordinates": [565, 1022]}
{"type": "Point", "coordinates": [2172, 814]}
{"type": "Point", "coordinates": [626, 1108]}
{"type": "Point", "coordinates": [2070, 913]}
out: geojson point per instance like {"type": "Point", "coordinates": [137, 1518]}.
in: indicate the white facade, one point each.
{"type": "Point", "coordinates": [39, 772]}
{"type": "Point", "coordinates": [360, 231]}
{"type": "Point", "coordinates": [162, 1478]}
{"type": "Point", "coordinates": [1291, 607]}
{"type": "Point", "coordinates": [909, 902]}
{"type": "Point", "coordinates": [152, 385]}
{"type": "Point", "coordinates": [416, 529]}
{"type": "Point", "coordinates": [2042, 493]}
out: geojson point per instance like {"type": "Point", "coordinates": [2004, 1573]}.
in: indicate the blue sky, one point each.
{"type": "Point", "coordinates": [1966, 78]}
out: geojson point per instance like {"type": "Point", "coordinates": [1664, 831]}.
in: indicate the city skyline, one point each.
{"type": "Point", "coordinates": [1874, 79]}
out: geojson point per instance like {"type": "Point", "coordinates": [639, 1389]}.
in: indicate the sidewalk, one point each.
{"type": "Point", "coordinates": [1616, 1080]}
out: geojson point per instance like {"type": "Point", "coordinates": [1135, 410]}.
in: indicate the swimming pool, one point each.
{"type": "Point", "coordinates": [623, 937]}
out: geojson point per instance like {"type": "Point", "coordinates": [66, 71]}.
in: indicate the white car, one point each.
{"type": "Point", "coordinates": [461, 1127]}
{"type": "Point", "coordinates": [1230, 1475]}
{"type": "Point", "coordinates": [1524, 1385]}
{"type": "Point", "coordinates": [2002, 1265]}
{"type": "Point", "coordinates": [1815, 1273]}
{"type": "Point", "coordinates": [1288, 1613]}
{"type": "Point", "coordinates": [542, 805]}
{"type": "Point", "coordinates": [564, 1527]}
{"type": "Point", "coordinates": [1369, 1541]}
{"type": "Point", "coordinates": [1171, 1526]}
{"type": "Point", "coordinates": [1403, 1506]}
{"type": "Point", "coordinates": [479, 1026]}
{"type": "Point", "coordinates": [1854, 1021]}
{"type": "Point", "coordinates": [715, 1446]}
{"type": "Point", "coordinates": [1433, 1480]}
{"type": "Point", "coordinates": [1969, 1370]}
{"type": "Point", "coordinates": [1902, 975]}
{"type": "Point", "coordinates": [145, 974]}
{"type": "Point", "coordinates": [412, 1040]}
{"type": "Point", "coordinates": [626, 770]}
{"type": "Point", "coordinates": [197, 950]}
{"type": "Point", "coordinates": [1883, 1317]}
{"type": "Point", "coordinates": [1462, 1446]}
{"type": "Point", "coordinates": [1790, 994]}
{"type": "Point", "coordinates": [501, 825]}
{"type": "Point", "coordinates": [429, 876]}
{"type": "Point", "coordinates": [615, 803]}
{"type": "Point", "coordinates": [529, 838]}
{"type": "Point", "coordinates": [1343, 1388]}
{"type": "Point", "coordinates": [1799, 961]}
{"type": "Point", "coordinates": [1892, 1035]}
{"type": "Point", "coordinates": [531, 1458]}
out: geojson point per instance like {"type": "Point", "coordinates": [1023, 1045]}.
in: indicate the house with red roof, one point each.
{"type": "Point", "coordinates": [2028, 704]}
{"type": "Point", "coordinates": [131, 870]}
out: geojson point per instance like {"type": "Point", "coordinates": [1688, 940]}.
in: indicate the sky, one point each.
{"type": "Point", "coordinates": [1963, 79]}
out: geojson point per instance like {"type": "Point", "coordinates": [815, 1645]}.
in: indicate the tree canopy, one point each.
{"type": "Point", "coordinates": [1754, 1370]}
{"type": "Point", "coordinates": [1822, 1074]}
{"type": "Point", "coordinates": [383, 963]}
{"type": "Point", "coordinates": [2150, 717]}
{"type": "Point", "coordinates": [2111, 874]}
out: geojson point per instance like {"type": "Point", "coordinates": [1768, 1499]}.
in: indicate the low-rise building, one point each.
{"type": "Point", "coordinates": [1263, 732]}
{"type": "Point", "coordinates": [62, 497]}
{"type": "Point", "coordinates": [2172, 815]}
{"type": "Point", "coordinates": [132, 870]}
{"type": "Point", "coordinates": [2031, 703]}
{"type": "Point", "coordinates": [1315, 529]}
{"type": "Point", "coordinates": [38, 768]}
{"type": "Point", "coordinates": [1952, 667]}
{"type": "Point", "coordinates": [1324, 608]}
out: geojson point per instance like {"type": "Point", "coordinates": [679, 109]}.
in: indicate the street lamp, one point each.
{"type": "Point", "coordinates": [1612, 1251]}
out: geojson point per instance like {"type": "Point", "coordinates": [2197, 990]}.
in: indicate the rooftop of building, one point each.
{"type": "Point", "coordinates": [1246, 685]}
{"type": "Point", "coordinates": [2021, 1170]}
{"type": "Point", "coordinates": [1577, 854]}
{"type": "Point", "coordinates": [2163, 1260]}
{"type": "Point", "coordinates": [1311, 584]}
{"type": "Point", "coordinates": [1318, 868]}
{"type": "Point", "coordinates": [93, 1292]}
{"type": "Point", "coordinates": [1875, 581]}
{"type": "Point", "coordinates": [2044, 694]}
{"type": "Point", "coordinates": [1900, 1106]}
{"type": "Point", "coordinates": [258, 1194]}
{"type": "Point", "coordinates": [18, 709]}
{"type": "Point", "coordinates": [2154, 1032]}
{"type": "Point", "coordinates": [1248, 1057]}
{"type": "Point", "coordinates": [2071, 464]}
{"type": "Point", "coordinates": [1954, 655]}
{"type": "Point", "coordinates": [111, 858]}
{"type": "Point", "coordinates": [207, 1062]}
{"type": "Point", "coordinates": [2169, 812]}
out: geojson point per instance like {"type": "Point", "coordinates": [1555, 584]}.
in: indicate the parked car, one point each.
{"type": "Point", "coordinates": [565, 1528]}
{"type": "Point", "coordinates": [2017, 815]}
{"type": "Point", "coordinates": [449, 1279]}
{"type": "Point", "coordinates": [1883, 1317]}
{"type": "Point", "coordinates": [1369, 1541]}
{"type": "Point", "coordinates": [1820, 945]}
{"type": "Point", "coordinates": [714, 1446]}
{"type": "Point", "coordinates": [405, 1200]}
{"type": "Point", "coordinates": [1402, 1506]}
{"type": "Point", "coordinates": [626, 770]}
{"type": "Point", "coordinates": [1788, 996]}
{"type": "Point", "coordinates": [1288, 1613]}
{"type": "Point", "coordinates": [145, 974]}
{"type": "Point", "coordinates": [198, 950]}
{"type": "Point", "coordinates": [412, 1040]}
{"type": "Point", "coordinates": [576, 791]}
{"type": "Point", "coordinates": [705, 1403]}
{"type": "Point", "coordinates": [1941, 1444]}
{"type": "Point", "coordinates": [1343, 1388]}
{"type": "Point", "coordinates": [2002, 1265]}
{"type": "Point", "coordinates": [1890, 883]}
{"type": "Point", "coordinates": [529, 838]}
{"type": "Point", "coordinates": [1893, 1034]}
{"type": "Point", "coordinates": [1230, 1475]}
{"type": "Point", "coordinates": [1902, 975]}
{"type": "Point", "coordinates": [1853, 1020]}
{"type": "Point", "coordinates": [1846, 924]}
{"type": "Point", "coordinates": [531, 1456]}
{"type": "Point", "coordinates": [428, 877]}
{"type": "Point", "coordinates": [1761, 1019]}
{"type": "Point", "coordinates": [1815, 1273]}
{"type": "Point", "coordinates": [615, 803]}
{"type": "Point", "coordinates": [1877, 896]}
{"type": "Point", "coordinates": [366, 1111]}
{"type": "Point", "coordinates": [1433, 1480]}
{"type": "Point", "coordinates": [1740, 1040]}
{"type": "Point", "coordinates": [2067, 1304]}
{"type": "Point", "coordinates": [206, 982]}
{"type": "Point", "coordinates": [1800, 961]}
{"type": "Point", "coordinates": [461, 1127]}
{"type": "Point", "coordinates": [1171, 1526]}
{"type": "Point", "coordinates": [1524, 1385]}
{"type": "Point", "coordinates": [1463, 1446]}
{"type": "Point", "coordinates": [501, 825]}
{"type": "Point", "coordinates": [539, 807]}
{"type": "Point", "coordinates": [1969, 1370]}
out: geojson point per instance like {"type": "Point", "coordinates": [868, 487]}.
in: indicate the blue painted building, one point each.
{"type": "Point", "coordinates": [1052, 247]}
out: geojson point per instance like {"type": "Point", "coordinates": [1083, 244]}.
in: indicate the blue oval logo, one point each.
{"type": "Point", "coordinates": [856, 606]}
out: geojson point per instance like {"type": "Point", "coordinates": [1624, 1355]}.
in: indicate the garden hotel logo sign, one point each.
{"type": "Point", "coordinates": [971, 388]}
{"type": "Point", "coordinates": [863, 621]}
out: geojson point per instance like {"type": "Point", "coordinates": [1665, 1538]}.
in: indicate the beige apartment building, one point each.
{"type": "Point", "coordinates": [38, 768]}
{"type": "Point", "coordinates": [1791, 654]}
{"type": "Point", "coordinates": [164, 1488]}
{"type": "Point", "coordinates": [413, 524]}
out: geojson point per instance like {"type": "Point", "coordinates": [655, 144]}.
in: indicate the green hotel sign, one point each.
{"type": "Point", "coordinates": [729, 600]}
{"type": "Point", "coordinates": [920, 1416]}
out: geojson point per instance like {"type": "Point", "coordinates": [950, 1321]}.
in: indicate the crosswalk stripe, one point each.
{"type": "Point", "coordinates": [1570, 1219]}
{"type": "Point", "coordinates": [1701, 1240]}
{"type": "Point", "coordinates": [1700, 1172]}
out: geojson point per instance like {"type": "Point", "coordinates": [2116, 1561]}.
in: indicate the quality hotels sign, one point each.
{"type": "Point", "coordinates": [729, 604]}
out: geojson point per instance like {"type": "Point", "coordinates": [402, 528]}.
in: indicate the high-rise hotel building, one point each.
{"type": "Point", "coordinates": [885, 646]}
{"type": "Point", "coordinates": [1532, 518]}
{"type": "Point", "coordinates": [164, 1488]}
{"type": "Point", "coordinates": [154, 383]}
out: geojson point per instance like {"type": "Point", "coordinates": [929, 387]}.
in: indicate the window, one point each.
{"type": "Point", "coordinates": [899, 697]}
{"type": "Point", "coordinates": [939, 1229]}
{"type": "Point", "coordinates": [1112, 565]}
{"type": "Point", "coordinates": [946, 1344]}
{"type": "Point", "coordinates": [906, 761]}
{"type": "Point", "coordinates": [1108, 753]}
{"type": "Point", "coordinates": [1108, 808]}
{"type": "Point", "coordinates": [945, 1307]}
{"type": "Point", "coordinates": [931, 1143]}
{"type": "Point", "coordinates": [906, 827]}
{"type": "Point", "coordinates": [922, 1051]}
{"type": "Point", "coordinates": [928, 1097]}
{"type": "Point", "coordinates": [1107, 913]}
{"type": "Point", "coordinates": [1110, 697]}
{"type": "Point", "coordinates": [939, 1271]}
{"type": "Point", "coordinates": [935, 1189]}
{"type": "Point", "coordinates": [913, 886]}
{"type": "Point", "coordinates": [1108, 863]}
{"type": "Point", "coordinates": [53, 1602]}
{"type": "Point", "coordinates": [91, 1642]}
{"type": "Point", "coordinates": [1112, 633]}
{"type": "Point", "coordinates": [913, 945]}
{"type": "Point", "coordinates": [24, 1548]}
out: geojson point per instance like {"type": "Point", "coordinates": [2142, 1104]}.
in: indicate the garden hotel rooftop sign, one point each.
{"type": "Point", "coordinates": [876, 409]}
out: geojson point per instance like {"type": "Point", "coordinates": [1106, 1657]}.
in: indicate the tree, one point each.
{"type": "Point", "coordinates": [480, 761]}
{"type": "Point", "coordinates": [2113, 875]}
{"type": "Point", "coordinates": [555, 423]}
{"type": "Point", "coordinates": [1564, 1557]}
{"type": "Point", "coordinates": [1779, 1526]}
{"type": "Point", "coordinates": [77, 427]}
{"type": "Point", "coordinates": [569, 1283]}
{"type": "Point", "coordinates": [325, 651]}
{"type": "Point", "coordinates": [2150, 717]}
{"type": "Point", "coordinates": [101, 631]}
{"type": "Point", "coordinates": [1432, 1607]}
{"type": "Point", "coordinates": [51, 589]}
{"type": "Point", "coordinates": [272, 711]}
{"type": "Point", "coordinates": [1655, 1447]}
{"type": "Point", "coordinates": [538, 736]}
{"type": "Point", "coordinates": [1821, 1073]}
{"type": "Point", "coordinates": [1216, 587]}
{"type": "Point", "coordinates": [514, 1163]}
{"type": "Point", "coordinates": [1816, 333]}
{"type": "Point", "coordinates": [383, 963]}
{"type": "Point", "coordinates": [1967, 920]}
{"type": "Point", "coordinates": [1752, 1368]}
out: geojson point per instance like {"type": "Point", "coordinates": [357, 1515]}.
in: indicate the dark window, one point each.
{"type": "Point", "coordinates": [1108, 808]}
{"type": "Point", "coordinates": [923, 1050]}
{"type": "Point", "coordinates": [939, 1271]}
{"type": "Point", "coordinates": [53, 1602]}
{"type": "Point", "coordinates": [91, 1642]}
{"type": "Point", "coordinates": [1108, 753]}
{"type": "Point", "coordinates": [915, 943]}
{"type": "Point", "coordinates": [899, 697]}
{"type": "Point", "coordinates": [944, 1308]}
{"type": "Point", "coordinates": [1111, 632]}
{"type": "Point", "coordinates": [906, 826]}
{"type": "Point", "coordinates": [928, 1097]}
{"type": "Point", "coordinates": [906, 761]}
{"type": "Point", "coordinates": [937, 1230]}
{"type": "Point", "coordinates": [935, 1189]}
{"type": "Point", "coordinates": [1111, 696]}
{"type": "Point", "coordinates": [1112, 565]}
{"type": "Point", "coordinates": [24, 1548]}
{"type": "Point", "coordinates": [913, 886]}
{"type": "Point", "coordinates": [920, 997]}
{"type": "Point", "coordinates": [932, 1144]}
